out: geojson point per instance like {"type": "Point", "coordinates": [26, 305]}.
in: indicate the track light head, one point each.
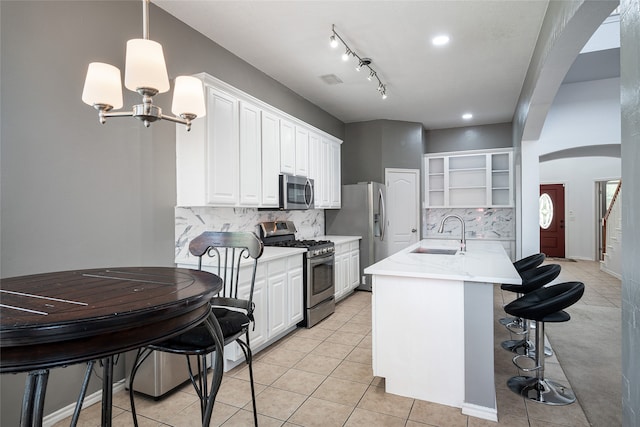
{"type": "Point", "coordinates": [346, 55]}
{"type": "Point", "coordinates": [333, 42]}
{"type": "Point", "coordinates": [363, 62]}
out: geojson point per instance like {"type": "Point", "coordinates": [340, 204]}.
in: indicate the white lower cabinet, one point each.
{"type": "Point", "coordinates": [294, 292]}
{"type": "Point", "coordinates": [347, 268]}
{"type": "Point", "coordinates": [278, 303]}
{"type": "Point", "coordinates": [277, 295]}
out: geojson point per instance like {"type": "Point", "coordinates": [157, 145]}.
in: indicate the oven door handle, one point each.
{"type": "Point", "coordinates": [320, 259]}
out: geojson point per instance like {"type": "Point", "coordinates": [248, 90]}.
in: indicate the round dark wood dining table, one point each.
{"type": "Point", "coordinates": [57, 319]}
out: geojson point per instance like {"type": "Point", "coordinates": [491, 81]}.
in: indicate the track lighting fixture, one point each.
{"type": "Point", "coordinates": [362, 62]}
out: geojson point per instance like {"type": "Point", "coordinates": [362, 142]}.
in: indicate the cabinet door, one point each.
{"type": "Point", "coordinates": [354, 268]}
{"type": "Point", "coordinates": [287, 147]}
{"type": "Point", "coordinates": [334, 177]}
{"type": "Point", "coordinates": [222, 148]}
{"type": "Point", "coordinates": [259, 335]}
{"type": "Point", "coordinates": [295, 290]}
{"type": "Point", "coordinates": [270, 159]}
{"type": "Point", "coordinates": [341, 270]}
{"type": "Point", "coordinates": [302, 152]}
{"type": "Point", "coordinates": [277, 295]}
{"type": "Point", "coordinates": [315, 168]}
{"type": "Point", "coordinates": [250, 173]}
{"type": "Point", "coordinates": [326, 165]}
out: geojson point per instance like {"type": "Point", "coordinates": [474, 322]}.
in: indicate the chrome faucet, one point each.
{"type": "Point", "coordinates": [463, 239]}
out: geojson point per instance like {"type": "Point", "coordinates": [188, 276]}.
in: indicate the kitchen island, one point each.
{"type": "Point", "coordinates": [432, 316]}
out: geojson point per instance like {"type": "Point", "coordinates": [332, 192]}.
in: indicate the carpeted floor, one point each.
{"type": "Point", "coordinates": [588, 347]}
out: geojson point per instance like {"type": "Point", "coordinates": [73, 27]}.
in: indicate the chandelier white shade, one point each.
{"type": "Point", "coordinates": [103, 85]}
{"type": "Point", "coordinates": [146, 74]}
{"type": "Point", "coordinates": [187, 97]}
{"type": "Point", "coordinates": [145, 66]}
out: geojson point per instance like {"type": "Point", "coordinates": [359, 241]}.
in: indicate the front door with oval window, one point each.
{"type": "Point", "coordinates": [552, 239]}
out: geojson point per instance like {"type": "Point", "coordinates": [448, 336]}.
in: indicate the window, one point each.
{"type": "Point", "coordinates": [546, 211]}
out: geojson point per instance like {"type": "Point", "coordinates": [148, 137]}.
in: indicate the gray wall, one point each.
{"type": "Point", "coordinates": [370, 147]}
{"type": "Point", "coordinates": [77, 194]}
{"type": "Point", "coordinates": [469, 138]}
{"type": "Point", "coordinates": [630, 81]}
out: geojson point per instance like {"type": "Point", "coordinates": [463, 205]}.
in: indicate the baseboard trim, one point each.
{"type": "Point", "coordinates": [604, 269]}
{"type": "Point", "coordinates": [477, 411]}
{"type": "Point", "coordinates": [89, 400]}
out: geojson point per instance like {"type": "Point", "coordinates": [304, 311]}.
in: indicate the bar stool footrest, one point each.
{"type": "Point", "coordinates": [515, 362]}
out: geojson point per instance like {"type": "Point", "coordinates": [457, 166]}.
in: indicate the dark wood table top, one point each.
{"type": "Point", "coordinates": [61, 318]}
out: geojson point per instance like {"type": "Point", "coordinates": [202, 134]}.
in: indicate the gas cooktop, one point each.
{"type": "Point", "coordinates": [282, 234]}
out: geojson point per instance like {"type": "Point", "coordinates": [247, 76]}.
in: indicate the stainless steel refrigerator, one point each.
{"type": "Point", "coordinates": [362, 214]}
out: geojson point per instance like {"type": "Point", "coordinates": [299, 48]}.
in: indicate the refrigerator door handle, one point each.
{"type": "Point", "coordinates": [381, 209]}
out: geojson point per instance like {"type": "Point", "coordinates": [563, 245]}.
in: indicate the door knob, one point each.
{"type": "Point", "coordinates": [413, 230]}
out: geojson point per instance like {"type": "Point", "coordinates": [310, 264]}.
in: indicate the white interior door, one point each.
{"type": "Point", "coordinates": [403, 208]}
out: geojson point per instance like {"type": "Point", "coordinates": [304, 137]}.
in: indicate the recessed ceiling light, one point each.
{"type": "Point", "coordinates": [440, 40]}
{"type": "Point", "coordinates": [467, 116]}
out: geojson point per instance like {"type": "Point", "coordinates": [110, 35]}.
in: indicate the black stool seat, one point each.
{"type": "Point", "coordinates": [534, 278]}
{"type": "Point", "coordinates": [536, 305]}
{"type": "Point", "coordinates": [546, 304]}
{"type": "Point", "coordinates": [532, 261]}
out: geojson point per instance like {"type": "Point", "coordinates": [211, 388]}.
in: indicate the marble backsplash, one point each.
{"type": "Point", "coordinates": [480, 223]}
{"type": "Point", "coordinates": [483, 223]}
{"type": "Point", "coordinates": [192, 221]}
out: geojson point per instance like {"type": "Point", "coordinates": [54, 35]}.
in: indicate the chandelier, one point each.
{"type": "Point", "coordinates": [145, 73]}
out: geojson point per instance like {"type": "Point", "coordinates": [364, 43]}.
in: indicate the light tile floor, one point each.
{"type": "Point", "coordinates": [323, 377]}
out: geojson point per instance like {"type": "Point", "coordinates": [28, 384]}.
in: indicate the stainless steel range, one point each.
{"type": "Point", "coordinates": [319, 260]}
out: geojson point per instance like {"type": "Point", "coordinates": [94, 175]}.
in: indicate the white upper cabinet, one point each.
{"type": "Point", "coordinates": [250, 155]}
{"type": "Point", "coordinates": [207, 157]}
{"type": "Point", "coordinates": [334, 180]}
{"type": "Point", "coordinates": [287, 147]}
{"type": "Point", "coordinates": [234, 155]}
{"type": "Point", "coordinates": [469, 180]}
{"type": "Point", "coordinates": [302, 151]}
{"type": "Point", "coordinates": [270, 159]}
{"type": "Point", "coordinates": [222, 153]}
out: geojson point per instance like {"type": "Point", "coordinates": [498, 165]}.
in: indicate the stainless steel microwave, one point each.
{"type": "Point", "coordinates": [296, 192]}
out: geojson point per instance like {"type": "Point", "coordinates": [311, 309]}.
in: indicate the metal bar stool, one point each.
{"type": "Point", "coordinates": [543, 305]}
{"type": "Point", "coordinates": [531, 280]}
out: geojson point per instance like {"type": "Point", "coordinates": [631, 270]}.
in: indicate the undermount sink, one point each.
{"type": "Point", "coordinates": [434, 251]}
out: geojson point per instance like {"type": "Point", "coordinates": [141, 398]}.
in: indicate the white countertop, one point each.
{"type": "Point", "coordinates": [270, 253]}
{"type": "Point", "coordinates": [338, 240]}
{"type": "Point", "coordinates": [483, 262]}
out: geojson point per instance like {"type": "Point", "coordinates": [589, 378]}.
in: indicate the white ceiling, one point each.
{"type": "Point", "coordinates": [481, 70]}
